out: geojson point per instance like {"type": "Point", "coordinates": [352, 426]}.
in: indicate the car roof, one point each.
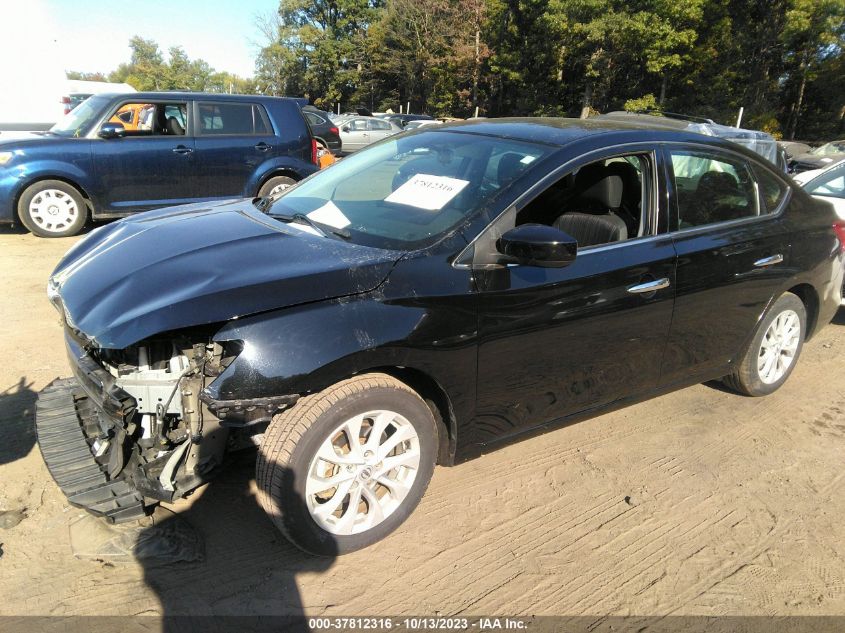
{"type": "Point", "coordinates": [561, 131]}
{"type": "Point", "coordinates": [216, 96]}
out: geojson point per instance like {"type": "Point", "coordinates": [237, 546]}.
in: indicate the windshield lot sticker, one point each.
{"type": "Point", "coordinates": [331, 215]}
{"type": "Point", "coordinates": [427, 192]}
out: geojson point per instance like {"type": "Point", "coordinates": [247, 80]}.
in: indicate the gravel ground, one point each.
{"type": "Point", "coordinates": [700, 502]}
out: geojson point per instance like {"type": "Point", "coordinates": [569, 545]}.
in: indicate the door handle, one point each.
{"type": "Point", "coordinates": [769, 261]}
{"type": "Point", "coordinates": [181, 149]}
{"type": "Point", "coordinates": [263, 147]}
{"type": "Point", "coordinates": [649, 286]}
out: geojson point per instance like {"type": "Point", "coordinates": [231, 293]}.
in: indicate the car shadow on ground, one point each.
{"type": "Point", "coordinates": [839, 319]}
{"type": "Point", "coordinates": [17, 420]}
{"type": "Point", "coordinates": [247, 579]}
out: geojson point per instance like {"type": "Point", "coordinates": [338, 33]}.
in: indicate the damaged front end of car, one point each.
{"type": "Point", "coordinates": [130, 428]}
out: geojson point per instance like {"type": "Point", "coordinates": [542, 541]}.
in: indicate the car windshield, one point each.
{"type": "Point", "coordinates": [78, 121]}
{"type": "Point", "coordinates": [405, 193]}
{"type": "Point", "coordinates": [836, 147]}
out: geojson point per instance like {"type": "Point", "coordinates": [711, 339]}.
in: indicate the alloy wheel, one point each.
{"type": "Point", "coordinates": [362, 472]}
{"type": "Point", "coordinates": [779, 346]}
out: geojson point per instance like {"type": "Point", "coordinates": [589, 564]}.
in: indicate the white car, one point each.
{"type": "Point", "coordinates": [829, 185]}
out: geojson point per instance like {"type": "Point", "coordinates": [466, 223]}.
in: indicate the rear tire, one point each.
{"type": "Point", "coordinates": [330, 494]}
{"type": "Point", "coordinates": [774, 350]}
{"type": "Point", "coordinates": [52, 208]}
{"type": "Point", "coordinates": [275, 185]}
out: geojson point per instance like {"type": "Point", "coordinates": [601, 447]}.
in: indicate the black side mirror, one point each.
{"type": "Point", "coordinates": [112, 130]}
{"type": "Point", "coordinates": [345, 128]}
{"type": "Point", "coordinates": [538, 245]}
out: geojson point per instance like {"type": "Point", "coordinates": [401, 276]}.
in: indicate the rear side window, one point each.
{"type": "Point", "coordinates": [314, 119]}
{"type": "Point", "coordinates": [232, 118]}
{"type": "Point", "coordinates": [380, 125]}
{"type": "Point", "coordinates": [772, 189]}
{"type": "Point", "coordinates": [712, 188]}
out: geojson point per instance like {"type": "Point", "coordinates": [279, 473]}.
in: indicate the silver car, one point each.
{"type": "Point", "coordinates": [359, 131]}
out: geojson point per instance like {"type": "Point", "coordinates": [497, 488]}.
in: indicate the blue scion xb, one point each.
{"type": "Point", "coordinates": [114, 155]}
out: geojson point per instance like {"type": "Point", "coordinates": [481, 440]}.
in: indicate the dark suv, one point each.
{"type": "Point", "coordinates": [177, 147]}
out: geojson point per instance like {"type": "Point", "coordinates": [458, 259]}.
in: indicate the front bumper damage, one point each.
{"type": "Point", "coordinates": [68, 425]}
{"type": "Point", "coordinates": [89, 428]}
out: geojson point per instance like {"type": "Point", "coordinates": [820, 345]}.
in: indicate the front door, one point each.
{"type": "Point", "coordinates": [558, 341]}
{"type": "Point", "coordinates": [356, 134]}
{"type": "Point", "coordinates": [152, 166]}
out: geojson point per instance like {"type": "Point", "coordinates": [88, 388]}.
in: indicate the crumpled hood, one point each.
{"type": "Point", "coordinates": [198, 264]}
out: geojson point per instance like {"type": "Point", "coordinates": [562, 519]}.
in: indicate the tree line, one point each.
{"type": "Point", "coordinates": [778, 59]}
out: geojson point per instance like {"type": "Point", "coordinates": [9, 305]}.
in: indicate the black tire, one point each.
{"type": "Point", "coordinates": [274, 182]}
{"type": "Point", "coordinates": [66, 224]}
{"type": "Point", "coordinates": [294, 437]}
{"type": "Point", "coordinates": [746, 378]}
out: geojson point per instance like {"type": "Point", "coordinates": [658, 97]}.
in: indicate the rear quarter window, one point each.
{"type": "Point", "coordinates": [772, 189]}
{"type": "Point", "coordinates": [233, 118]}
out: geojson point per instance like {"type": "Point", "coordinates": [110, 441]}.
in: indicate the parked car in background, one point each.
{"type": "Point", "coordinates": [423, 301]}
{"type": "Point", "coordinates": [196, 148]}
{"type": "Point", "coordinates": [134, 116]}
{"type": "Point", "coordinates": [357, 132]}
{"type": "Point", "coordinates": [829, 185]}
{"type": "Point", "coordinates": [323, 128]}
{"type": "Point", "coordinates": [794, 148]}
{"type": "Point", "coordinates": [402, 119]}
{"type": "Point", "coordinates": [803, 177]}
{"type": "Point", "coordinates": [819, 158]}
{"type": "Point", "coordinates": [413, 125]}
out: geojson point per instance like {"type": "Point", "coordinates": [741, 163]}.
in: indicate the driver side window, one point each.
{"type": "Point", "coordinates": [599, 203]}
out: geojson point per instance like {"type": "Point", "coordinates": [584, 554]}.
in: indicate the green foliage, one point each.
{"type": "Point", "coordinates": [781, 60]}
{"type": "Point", "coordinates": [147, 70]}
{"type": "Point", "coordinates": [642, 104]}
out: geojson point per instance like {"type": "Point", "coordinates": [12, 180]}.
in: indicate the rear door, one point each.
{"type": "Point", "coordinates": [380, 129]}
{"type": "Point", "coordinates": [152, 166]}
{"type": "Point", "coordinates": [733, 247]}
{"type": "Point", "coordinates": [233, 139]}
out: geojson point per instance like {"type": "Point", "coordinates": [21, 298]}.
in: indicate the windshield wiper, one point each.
{"type": "Point", "coordinates": [264, 204]}
{"type": "Point", "coordinates": [324, 229]}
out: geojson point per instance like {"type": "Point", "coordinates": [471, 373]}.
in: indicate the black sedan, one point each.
{"type": "Point", "coordinates": [423, 301]}
{"type": "Point", "coordinates": [323, 129]}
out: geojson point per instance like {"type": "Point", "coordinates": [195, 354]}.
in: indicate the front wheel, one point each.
{"type": "Point", "coordinates": [774, 350]}
{"type": "Point", "coordinates": [52, 208]}
{"type": "Point", "coordinates": [346, 466]}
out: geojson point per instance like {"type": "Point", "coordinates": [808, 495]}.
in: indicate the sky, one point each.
{"type": "Point", "coordinates": [93, 35]}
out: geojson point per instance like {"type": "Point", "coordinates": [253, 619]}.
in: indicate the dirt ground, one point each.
{"type": "Point", "coordinates": [700, 502]}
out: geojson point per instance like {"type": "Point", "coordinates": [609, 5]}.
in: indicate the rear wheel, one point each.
{"type": "Point", "coordinates": [52, 208]}
{"type": "Point", "coordinates": [275, 185]}
{"type": "Point", "coordinates": [774, 350]}
{"type": "Point", "coordinates": [346, 466]}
